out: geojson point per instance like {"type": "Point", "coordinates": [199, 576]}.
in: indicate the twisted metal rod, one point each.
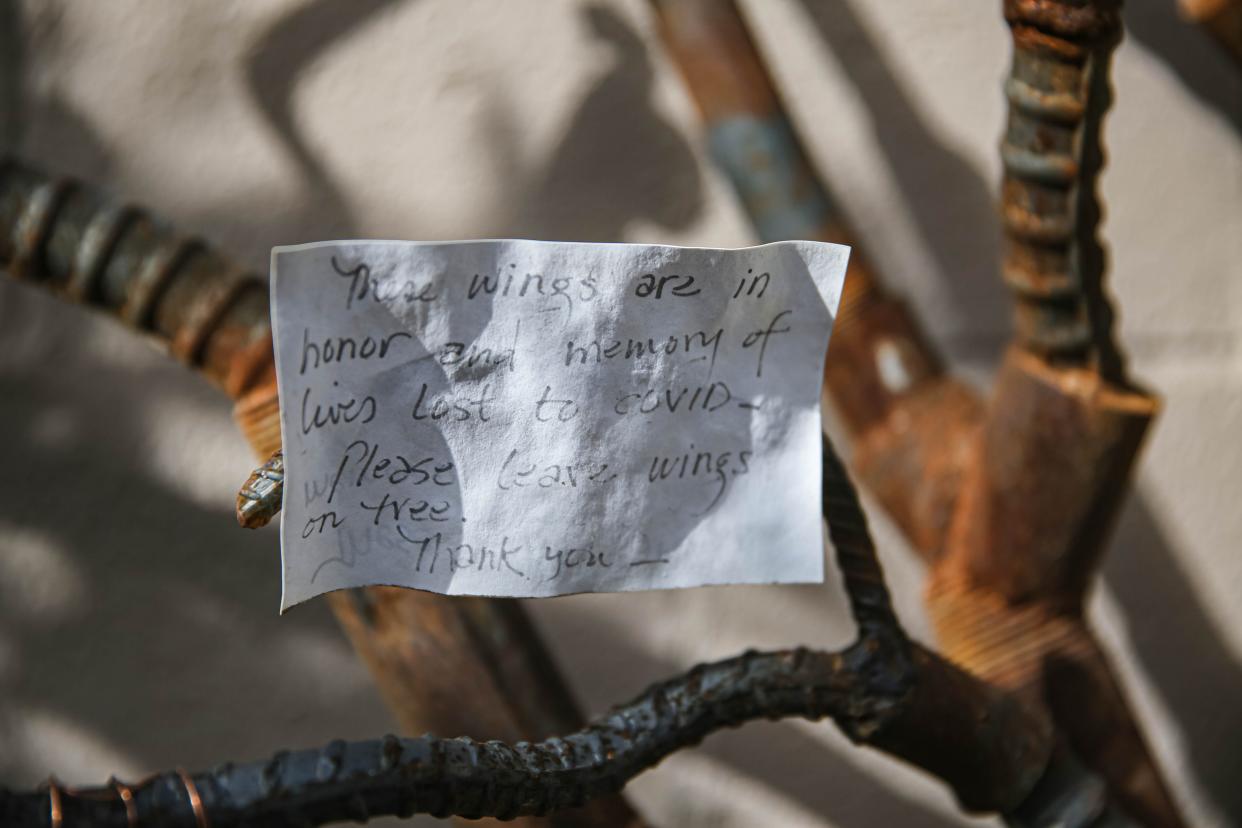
{"type": "Point", "coordinates": [1058, 91]}
{"type": "Point", "coordinates": [870, 603]}
{"type": "Point", "coordinates": [95, 251]}
{"type": "Point", "coordinates": [861, 688]}
{"type": "Point", "coordinates": [463, 777]}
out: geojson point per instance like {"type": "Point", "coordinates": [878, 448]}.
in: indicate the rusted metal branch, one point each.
{"type": "Point", "coordinates": [390, 776]}
{"type": "Point", "coordinates": [1041, 494]}
{"type": "Point", "coordinates": [422, 649]}
{"type": "Point", "coordinates": [89, 249]}
{"type": "Point", "coordinates": [362, 780]}
{"type": "Point", "coordinates": [911, 422]}
{"type": "Point", "coordinates": [1065, 424]}
{"type": "Point", "coordinates": [1058, 91]}
{"type": "Point", "coordinates": [1041, 481]}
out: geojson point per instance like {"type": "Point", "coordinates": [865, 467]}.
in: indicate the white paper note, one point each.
{"type": "Point", "coordinates": [521, 418]}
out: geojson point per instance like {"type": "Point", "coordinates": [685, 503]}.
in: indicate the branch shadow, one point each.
{"type": "Point", "coordinates": [1190, 53]}
{"type": "Point", "coordinates": [618, 161]}
{"type": "Point", "coordinates": [274, 66]}
{"type": "Point", "coordinates": [164, 611]}
{"type": "Point", "coordinates": [40, 124]}
{"type": "Point", "coordinates": [1180, 649]}
{"type": "Point", "coordinates": [953, 206]}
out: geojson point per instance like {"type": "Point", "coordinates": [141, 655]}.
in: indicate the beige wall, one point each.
{"type": "Point", "coordinates": [138, 626]}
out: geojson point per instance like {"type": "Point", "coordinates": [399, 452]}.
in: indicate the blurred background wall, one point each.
{"type": "Point", "coordinates": [138, 625]}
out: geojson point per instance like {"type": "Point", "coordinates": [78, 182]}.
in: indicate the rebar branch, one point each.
{"type": "Point", "coordinates": [392, 776]}
{"type": "Point", "coordinates": [95, 251]}
{"type": "Point", "coordinates": [1058, 91]}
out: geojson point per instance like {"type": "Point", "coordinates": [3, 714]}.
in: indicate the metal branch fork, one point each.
{"type": "Point", "coordinates": [1058, 91]}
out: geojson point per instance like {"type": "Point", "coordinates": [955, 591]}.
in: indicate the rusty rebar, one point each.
{"type": "Point", "coordinates": [1058, 92]}
{"type": "Point", "coordinates": [463, 777]}
{"type": "Point", "coordinates": [359, 781]}
{"type": "Point", "coordinates": [1059, 441]}
{"type": "Point", "coordinates": [92, 250]}
{"type": "Point", "coordinates": [1043, 476]}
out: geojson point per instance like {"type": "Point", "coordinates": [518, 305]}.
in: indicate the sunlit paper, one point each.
{"type": "Point", "coordinates": [521, 418]}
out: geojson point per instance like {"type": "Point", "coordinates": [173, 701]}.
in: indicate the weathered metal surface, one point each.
{"type": "Point", "coordinates": [1041, 493]}
{"type": "Point", "coordinates": [1058, 91]}
{"type": "Point", "coordinates": [883, 690]}
{"type": "Point", "coordinates": [1037, 503]}
{"type": "Point", "coordinates": [257, 414]}
{"type": "Point", "coordinates": [441, 666]}
{"type": "Point", "coordinates": [991, 749]}
{"type": "Point", "coordinates": [916, 433]}
{"type": "Point", "coordinates": [361, 780]}
{"type": "Point", "coordinates": [913, 455]}
{"type": "Point", "coordinates": [1055, 454]}
{"type": "Point", "coordinates": [1052, 659]}
{"type": "Point", "coordinates": [1069, 796]}
{"type": "Point", "coordinates": [748, 135]}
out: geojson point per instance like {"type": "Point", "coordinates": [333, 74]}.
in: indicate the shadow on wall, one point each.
{"type": "Point", "coordinates": [619, 160]}
{"type": "Point", "coordinates": [166, 642]}
{"type": "Point", "coordinates": [953, 206]}
{"type": "Point", "coordinates": [42, 123]}
{"type": "Point", "coordinates": [1180, 649]}
{"type": "Point", "coordinates": [1190, 53]}
{"type": "Point", "coordinates": [279, 57]}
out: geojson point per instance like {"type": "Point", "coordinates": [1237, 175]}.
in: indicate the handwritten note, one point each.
{"type": "Point", "coordinates": [521, 418]}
